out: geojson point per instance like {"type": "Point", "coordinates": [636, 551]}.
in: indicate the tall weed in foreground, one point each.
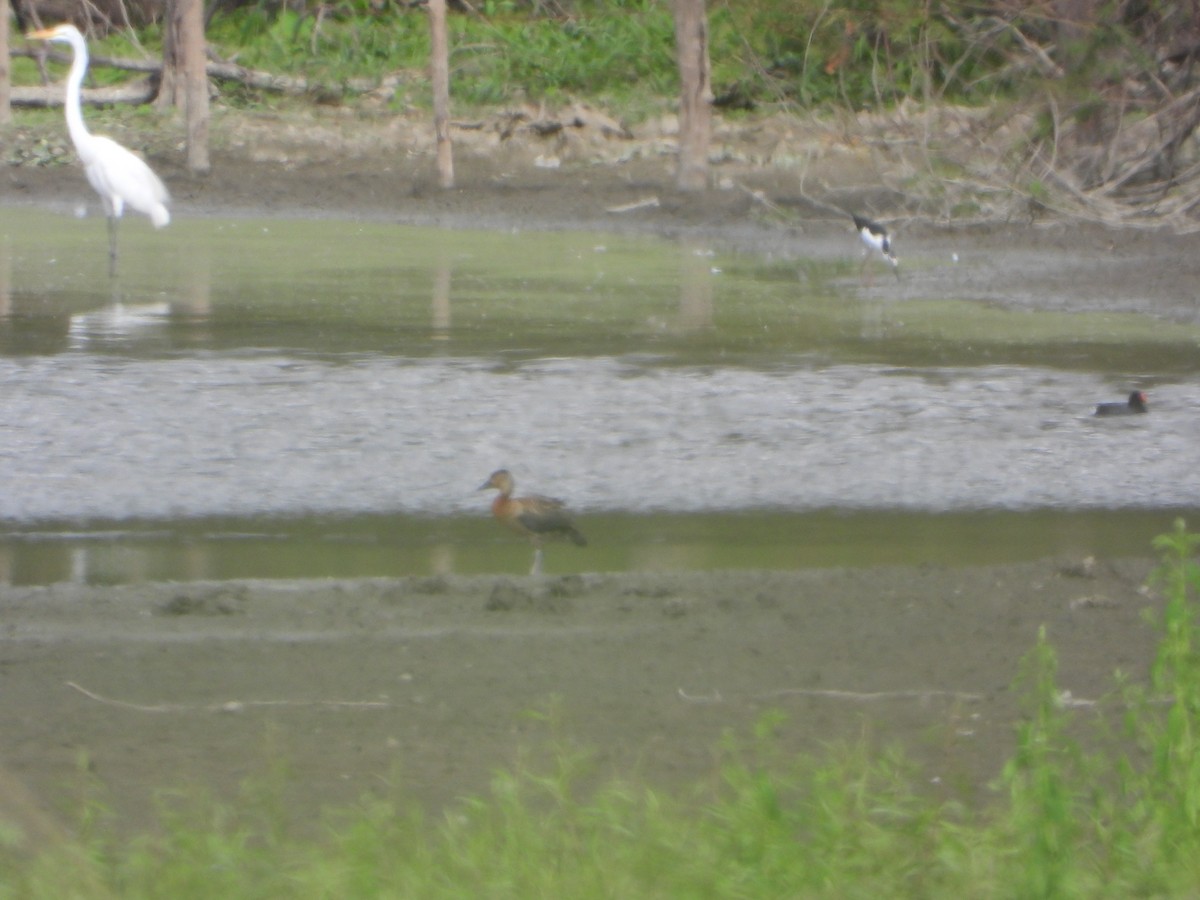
{"type": "Point", "coordinates": [1042, 784]}
{"type": "Point", "coordinates": [1065, 822]}
{"type": "Point", "coordinates": [1160, 809]}
{"type": "Point", "coordinates": [1176, 679]}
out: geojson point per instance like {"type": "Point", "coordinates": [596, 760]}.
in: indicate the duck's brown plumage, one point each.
{"type": "Point", "coordinates": [534, 516]}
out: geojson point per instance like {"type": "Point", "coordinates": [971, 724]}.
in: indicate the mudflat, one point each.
{"type": "Point", "coordinates": [422, 687]}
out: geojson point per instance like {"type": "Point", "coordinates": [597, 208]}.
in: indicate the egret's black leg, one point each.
{"type": "Point", "coordinates": [112, 246]}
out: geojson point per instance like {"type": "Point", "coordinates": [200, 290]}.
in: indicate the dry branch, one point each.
{"type": "Point", "coordinates": [141, 91]}
{"type": "Point", "coordinates": [1140, 184]}
{"type": "Point", "coordinates": [217, 70]}
{"type": "Point", "coordinates": [835, 694]}
{"type": "Point", "coordinates": [226, 707]}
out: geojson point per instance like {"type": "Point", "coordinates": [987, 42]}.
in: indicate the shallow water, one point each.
{"type": "Point", "coordinates": [298, 373]}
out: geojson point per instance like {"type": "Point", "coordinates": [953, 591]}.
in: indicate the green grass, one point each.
{"type": "Point", "coordinates": [797, 55]}
{"type": "Point", "coordinates": [1063, 821]}
{"type": "Point", "coordinates": [620, 53]}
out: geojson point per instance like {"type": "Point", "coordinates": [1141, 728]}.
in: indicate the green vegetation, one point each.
{"type": "Point", "coordinates": [796, 53]}
{"type": "Point", "coordinates": [1065, 96]}
{"type": "Point", "coordinates": [1095, 815]}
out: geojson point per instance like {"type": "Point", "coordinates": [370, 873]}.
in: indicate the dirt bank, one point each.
{"type": "Point", "coordinates": [427, 683]}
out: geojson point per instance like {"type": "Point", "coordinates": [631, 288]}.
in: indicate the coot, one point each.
{"type": "Point", "coordinates": [1136, 404]}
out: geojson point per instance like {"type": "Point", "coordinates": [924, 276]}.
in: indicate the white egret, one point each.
{"type": "Point", "coordinates": [118, 176]}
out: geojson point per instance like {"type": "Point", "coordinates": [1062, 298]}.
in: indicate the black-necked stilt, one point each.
{"type": "Point", "coordinates": [876, 237]}
{"type": "Point", "coordinates": [1135, 404]}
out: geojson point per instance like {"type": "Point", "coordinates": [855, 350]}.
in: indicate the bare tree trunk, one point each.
{"type": "Point", "coordinates": [190, 30]}
{"type": "Point", "coordinates": [440, 76]}
{"type": "Point", "coordinates": [171, 80]}
{"type": "Point", "coordinates": [5, 81]}
{"type": "Point", "coordinates": [695, 99]}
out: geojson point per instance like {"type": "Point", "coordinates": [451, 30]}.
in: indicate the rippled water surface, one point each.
{"type": "Point", "coordinates": [244, 391]}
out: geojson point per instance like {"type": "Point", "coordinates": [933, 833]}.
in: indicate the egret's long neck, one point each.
{"type": "Point", "coordinates": [78, 131]}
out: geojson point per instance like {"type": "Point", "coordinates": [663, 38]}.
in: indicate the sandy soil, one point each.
{"type": "Point", "coordinates": [426, 684]}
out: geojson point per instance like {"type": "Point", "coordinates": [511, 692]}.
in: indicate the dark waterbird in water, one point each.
{"type": "Point", "coordinates": [876, 239]}
{"type": "Point", "coordinates": [534, 517]}
{"type": "Point", "coordinates": [1135, 404]}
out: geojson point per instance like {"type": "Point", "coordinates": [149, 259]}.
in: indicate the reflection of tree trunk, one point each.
{"type": "Point", "coordinates": [440, 78]}
{"type": "Point", "coordinates": [5, 83]}
{"type": "Point", "coordinates": [194, 298]}
{"type": "Point", "coordinates": [695, 98]}
{"type": "Point", "coordinates": [441, 300]}
{"type": "Point", "coordinates": [695, 287]}
{"type": "Point", "coordinates": [5, 278]}
{"type": "Point", "coordinates": [195, 65]}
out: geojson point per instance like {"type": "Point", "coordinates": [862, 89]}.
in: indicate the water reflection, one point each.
{"type": "Point", "coordinates": [397, 546]}
{"type": "Point", "coordinates": [5, 276]}
{"type": "Point", "coordinates": [116, 322]}
{"type": "Point", "coordinates": [245, 369]}
{"type": "Point", "coordinates": [695, 285]}
{"type": "Point", "coordinates": [440, 307]}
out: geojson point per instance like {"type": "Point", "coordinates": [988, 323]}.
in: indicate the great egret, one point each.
{"type": "Point", "coordinates": [118, 176]}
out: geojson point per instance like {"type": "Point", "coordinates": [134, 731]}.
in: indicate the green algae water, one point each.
{"type": "Point", "coordinates": [278, 398]}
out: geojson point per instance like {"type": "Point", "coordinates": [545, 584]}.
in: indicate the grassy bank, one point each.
{"type": "Point", "coordinates": [852, 53]}
{"type": "Point", "coordinates": [1102, 801]}
{"type": "Point", "coordinates": [983, 115]}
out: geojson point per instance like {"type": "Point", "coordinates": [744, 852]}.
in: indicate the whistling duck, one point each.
{"type": "Point", "coordinates": [533, 516]}
{"type": "Point", "coordinates": [1135, 404]}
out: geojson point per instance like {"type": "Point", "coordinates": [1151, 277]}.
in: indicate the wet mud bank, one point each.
{"type": "Point", "coordinates": [421, 688]}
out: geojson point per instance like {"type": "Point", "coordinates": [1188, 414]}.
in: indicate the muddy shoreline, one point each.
{"type": "Point", "coordinates": [421, 688]}
{"type": "Point", "coordinates": [773, 188]}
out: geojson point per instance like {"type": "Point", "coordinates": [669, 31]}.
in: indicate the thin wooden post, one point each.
{"type": "Point", "coordinates": [5, 77]}
{"type": "Point", "coordinates": [195, 66]}
{"type": "Point", "coordinates": [440, 78]}
{"type": "Point", "coordinates": [695, 97]}
{"type": "Point", "coordinates": [170, 79]}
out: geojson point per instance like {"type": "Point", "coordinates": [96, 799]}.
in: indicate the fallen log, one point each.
{"type": "Point", "coordinates": [136, 92]}
{"type": "Point", "coordinates": [217, 70]}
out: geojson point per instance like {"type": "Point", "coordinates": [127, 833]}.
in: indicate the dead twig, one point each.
{"type": "Point", "coordinates": [832, 693]}
{"type": "Point", "coordinates": [647, 203]}
{"type": "Point", "coordinates": [228, 706]}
